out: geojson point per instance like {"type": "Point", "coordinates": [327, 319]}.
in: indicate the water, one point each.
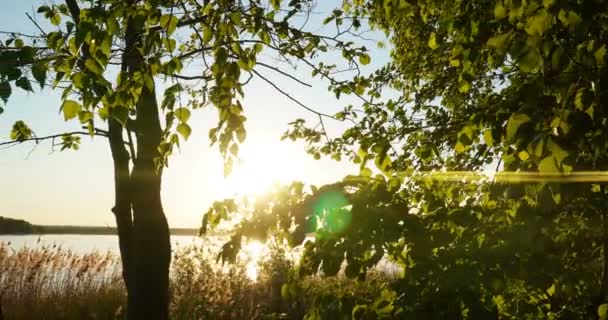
{"type": "Point", "coordinates": [82, 243]}
{"type": "Point", "coordinates": [251, 254]}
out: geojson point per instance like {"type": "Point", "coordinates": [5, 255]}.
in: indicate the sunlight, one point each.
{"type": "Point", "coordinates": [263, 164]}
{"type": "Point", "coordinates": [254, 252]}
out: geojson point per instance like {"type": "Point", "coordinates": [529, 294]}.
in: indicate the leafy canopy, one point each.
{"type": "Point", "coordinates": [517, 87]}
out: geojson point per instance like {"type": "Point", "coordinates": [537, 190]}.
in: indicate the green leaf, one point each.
{"type": "Point", "coordinates": [241, 134]}
{"type": "Point", "coordinates": [112, 25]}
{"type": "Point", "coordinates": [513, 124]}
{"type": "Point", "coordinates": [538, 24]}
{"type": "Point", "coordinates": [227, 167]}
{"type": "Point", "coordinates": [182, 114]}
{"type": "Point", "coordinates": [5, 91]}
{"type": "Point", "coordinates": [499, 10]}
{"type": "Point", "coordinates": [570, 18]}
{"type": "Point", "coordinates": [84, 116]}
{"type": "Point", "coordinates": [24, 83]}
{"type": "Point", "coordinates": [120, 114]}
{"type": "Point", "coordinates": [365, 172]}
{"type": "Point", "coordinates": [459, 148]}
{"type": "Point", "coordinates": [531, 61]}
{"type": "Point", "coordinates": [235, 18]}
{"type": "Point", "coordinates": [43, 9]}
{"type": "Point", "coordinates": [207, 35]}
{"type": "Point", "coordinates": [168, 22]}
{"type": "Point", "coordinates": [488, 138]}
{"type": "Point", "coordinates": [602, 311]}
{"type": "Point", "coordinates": [39, 73]}
{"type": "Point", "coordinates": [600, 54]}
{"type": "Point", "coordinates": [464, 86]}
{"type": "Point", "coordinates": [523, 155]}
{"type": "Point", "coordinates": [276, 4]}
{"type": "Point", "coordinates": [70, 109]}
{"type": "Point", "coordinates": [578, 99]}
{"type": "Point", "coordinates": [432, 43]}
{"type": "Point", "coordinates": [548, 165]}
{"type": "Point", "coordinates": [184, 129]}
{"type": "Point", "coordinates": [20, 131]}
{"type": "Point", "coordinates": [595, 188]}
{"type": "Point", "coordinates": [499, 41]}
{"type": "Point", "coordinates": [364, 59]}
{"type": "Point", "coordinates": [55, 18]}
{"type": "Point", "coordinates": [93, 66]}
{"type": "Point", "coordinates": [558, 153]}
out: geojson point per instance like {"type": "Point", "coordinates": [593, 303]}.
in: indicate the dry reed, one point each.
{"type": "Point", "coordinates": [50, 282]}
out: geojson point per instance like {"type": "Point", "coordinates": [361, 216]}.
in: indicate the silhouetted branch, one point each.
{"type": "Point", "coordinates": [54, 136]}
{"type": "Point", "coordinates": [292, 98]}
{"type": "Point", "coordinates": [36, 24]}
{"type": "Point", "coordinates": [283, 73]}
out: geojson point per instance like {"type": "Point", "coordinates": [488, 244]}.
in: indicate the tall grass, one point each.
{"type": "Point", "coordinates": [49, 282]}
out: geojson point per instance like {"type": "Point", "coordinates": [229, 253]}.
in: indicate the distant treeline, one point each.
{"type": "Point", "coordinates": [15, 226]}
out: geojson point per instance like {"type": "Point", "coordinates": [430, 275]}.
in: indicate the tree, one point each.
{"type": "Point", "coordinates": [516, 85]}
{"type": "Point", "coordinates": [137, 43]}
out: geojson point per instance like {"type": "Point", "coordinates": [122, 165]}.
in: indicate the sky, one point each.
{"type": "Point", "coordinates": [76, 187]}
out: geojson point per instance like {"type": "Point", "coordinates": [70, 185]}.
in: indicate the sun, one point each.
{"type": "Point", "coordinates": [262, 165]}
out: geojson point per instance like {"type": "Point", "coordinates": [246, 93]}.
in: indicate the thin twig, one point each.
{"type": "Point", "coordinates": [36, 24]}
{"type": "Point", "coordinates": [323, 128]}
{"type": "Point", "coordinates": [292, 98]}
{"type": "Point", "coordinates": [21, 34]}
{"type": "Point", "coordinates": [39, 139]}
{"type": "Point", "coordinates": [283, 73]}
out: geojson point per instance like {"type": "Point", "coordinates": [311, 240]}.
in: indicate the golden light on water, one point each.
{"type": "Point", "coordinates": [253, 252]}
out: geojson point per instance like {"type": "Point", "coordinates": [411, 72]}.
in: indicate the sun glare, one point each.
{"type": "Point", "coordinates": [262, 165]}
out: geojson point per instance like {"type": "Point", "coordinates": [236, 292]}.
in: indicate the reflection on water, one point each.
{"type": "Point", "coordinates": [254, 252]}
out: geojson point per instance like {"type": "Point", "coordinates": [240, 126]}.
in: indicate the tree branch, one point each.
{"type": "Point", "coordinates": [36, 24]}
{"type": "Point", "coordinates": [54, 136]}
{"type": "Point", "coordinates": [292, 98]}
{"type": "Point", "coordinates": [283, 73]}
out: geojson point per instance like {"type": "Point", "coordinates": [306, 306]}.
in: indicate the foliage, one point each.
{"type": "Point", "coordinates": [109, 57]}
{"type": "Point", "coordinates": [204, 52]}
{"type": "Point", "coordinates": [516, 85]}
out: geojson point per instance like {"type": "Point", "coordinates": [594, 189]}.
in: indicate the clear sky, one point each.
{"type": "Point", "coordinates": [76, 187]}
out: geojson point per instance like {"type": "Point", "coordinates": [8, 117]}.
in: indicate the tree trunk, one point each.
{"type": "Point", "coordinates": [143, 236]}
{"type": "Point", "coordinates": [151, 247]}
{"type": "Point", "coordinates": [143, 232]}
{"type": "Point", "coordinates": [151, 242]}
{"type": "Point", "coordinates": [122, 201]}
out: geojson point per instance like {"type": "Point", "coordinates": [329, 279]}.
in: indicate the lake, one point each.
{"type": "Point", "coordinates": [251, 253]}
{"type": "Point", "coordinates": [82, 243]}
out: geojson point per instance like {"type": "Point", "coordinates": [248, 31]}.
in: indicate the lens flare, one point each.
{"type": "Point", "coordinates": [331, 213]}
